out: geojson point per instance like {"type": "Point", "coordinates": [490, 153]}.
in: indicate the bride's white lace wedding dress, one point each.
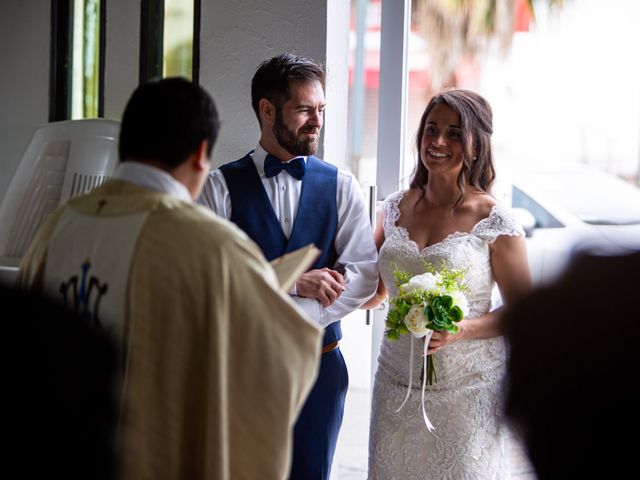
{"type": "Point", "coordinates": [470, 440]}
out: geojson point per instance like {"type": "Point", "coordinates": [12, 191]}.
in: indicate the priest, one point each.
{"type": "Point", "coordinates": [217, 360]}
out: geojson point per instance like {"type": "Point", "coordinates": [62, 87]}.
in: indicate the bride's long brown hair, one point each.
{"type": "Point", "coordinates": [476, 123]}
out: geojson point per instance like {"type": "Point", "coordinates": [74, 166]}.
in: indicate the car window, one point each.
{"type": "Point", "coordinates": [594, 197]}
{"type": "Point", "coordinates": [543, 218]}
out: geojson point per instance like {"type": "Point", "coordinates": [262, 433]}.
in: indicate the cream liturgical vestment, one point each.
{"type": "Point", "coordinates": [217, 360]}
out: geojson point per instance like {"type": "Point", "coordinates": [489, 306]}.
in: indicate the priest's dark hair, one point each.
{"type": "Point", "coordinates": [166, 120]}
{"type": "Point", "coordinates": [272, 78]}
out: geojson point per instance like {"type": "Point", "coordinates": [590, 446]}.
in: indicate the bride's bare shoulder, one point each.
{"type": "Point", "coordinates": [481, 203]}
{"type": "Point", "coordinates": [408, 198]}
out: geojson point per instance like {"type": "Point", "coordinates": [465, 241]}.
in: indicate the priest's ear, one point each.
{"type": "Point", "coordinates": [193, 172]}
{"type": "Point", "coordinates": [201, 158]}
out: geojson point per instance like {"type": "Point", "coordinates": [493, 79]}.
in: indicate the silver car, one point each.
{"type": "Point", "coordinates": [567, 209]}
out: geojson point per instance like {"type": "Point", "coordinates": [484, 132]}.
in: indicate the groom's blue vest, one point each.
{"type": "Point", "coordinates": [316, 220]}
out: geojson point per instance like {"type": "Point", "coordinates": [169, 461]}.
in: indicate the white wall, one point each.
{"type": "Point", "coordinates": [238, 36]}
{"type": "Point", "coordinates": [24, 82]}
{"type": "Point", "coordinates": [25, 32]}
{"type": "Point", "coordinates": [122, 53]}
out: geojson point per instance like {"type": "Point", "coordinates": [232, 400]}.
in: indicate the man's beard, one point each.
{"type": "Point", "coordinates": [292, 142]}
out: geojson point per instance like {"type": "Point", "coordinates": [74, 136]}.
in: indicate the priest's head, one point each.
{"type": "Point", "coordinates": [171, 124]}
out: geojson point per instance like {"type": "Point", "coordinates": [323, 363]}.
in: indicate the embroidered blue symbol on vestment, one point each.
{"type": "Point", "coordinates": [85, 298]}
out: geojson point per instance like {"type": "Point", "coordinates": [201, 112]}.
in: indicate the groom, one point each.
{"type": "Point", "coordinates": [284, 198]}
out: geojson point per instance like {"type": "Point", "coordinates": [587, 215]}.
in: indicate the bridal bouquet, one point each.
{"type": "Point", "coordinates": [434, 300]}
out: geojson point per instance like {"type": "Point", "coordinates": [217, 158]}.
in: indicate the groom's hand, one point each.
{"type": "Point", "coordinates": [325, 285]}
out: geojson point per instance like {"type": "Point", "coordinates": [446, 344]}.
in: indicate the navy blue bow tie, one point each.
{"type": "Point", "coordinates": [273, 166]}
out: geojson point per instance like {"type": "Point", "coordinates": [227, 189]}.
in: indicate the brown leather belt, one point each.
{"type": "Point", "coordinates": [329, 347]}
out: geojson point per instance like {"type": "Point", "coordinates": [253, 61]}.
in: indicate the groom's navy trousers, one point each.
{"type": "Point", "coordinates": [316, 431]}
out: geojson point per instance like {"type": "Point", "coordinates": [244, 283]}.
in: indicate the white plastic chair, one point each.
{"type": "Point", "coordinates": [63, 159]}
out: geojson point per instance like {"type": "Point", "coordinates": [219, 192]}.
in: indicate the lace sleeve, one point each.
{"type": "Point", "coordinates": [390, 211]}
{"type": "Point", "coordinates": [499, 222]}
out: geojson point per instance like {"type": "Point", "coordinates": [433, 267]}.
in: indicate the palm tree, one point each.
{"type": "Point", "coordinates": [457, 29]}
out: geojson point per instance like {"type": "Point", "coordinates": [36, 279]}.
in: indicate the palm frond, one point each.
{"type": "Point", "coordinates": [454, 29]}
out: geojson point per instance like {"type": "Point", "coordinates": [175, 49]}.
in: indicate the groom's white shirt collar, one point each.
{"type": "Point", "coordinates": [154, 178]}
{"type": "Point", "coordinates": [259, 155]}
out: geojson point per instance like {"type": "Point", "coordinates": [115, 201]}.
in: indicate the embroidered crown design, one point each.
{"type": "Point", "coordinates": [85, 298]}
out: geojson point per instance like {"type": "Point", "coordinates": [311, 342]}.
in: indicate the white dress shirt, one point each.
{"type": "Point", "coordinates": [151, 177]}
{"type": "Point", "coordinates": [354, 245]}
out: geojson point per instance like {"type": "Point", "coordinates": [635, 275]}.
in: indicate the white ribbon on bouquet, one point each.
{"type": "Point", "coordinates": [427, 338]}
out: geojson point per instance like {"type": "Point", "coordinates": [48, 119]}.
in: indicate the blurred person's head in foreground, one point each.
{"type": "Point", "coordinates": [573, 361]}
{"type": "Point", "coordinates": [60, 406]}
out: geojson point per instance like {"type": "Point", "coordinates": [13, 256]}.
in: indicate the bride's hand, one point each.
{"type": "Point", "coordinates": [440, 339]}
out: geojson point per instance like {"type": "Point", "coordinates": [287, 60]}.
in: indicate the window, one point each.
{"type": "Point", "coordinates": [77, 59]}
{"type": "Point", "coordinates": [85, 78]}
{"type": "Point", "coordinates": [178, 38]}
{"type": "Point", "coordinates": [543, 218]}
{"type": "Point", "coordinates": [167, 32]}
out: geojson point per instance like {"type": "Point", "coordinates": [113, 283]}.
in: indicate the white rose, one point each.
{"type": "Point", "coordinates": [416, 321]}
{"type": "Point", "coordinates": [439, 288]}
{"type": "Point", "coordinates": [426, 281]}
{"type": "Point", "coordinates": [460, 300]}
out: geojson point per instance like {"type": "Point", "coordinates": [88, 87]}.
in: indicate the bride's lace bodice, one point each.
{"type": "Point", "coordinates": [469, 371]}
{"type": "Point", "coordinates": [469, 251]}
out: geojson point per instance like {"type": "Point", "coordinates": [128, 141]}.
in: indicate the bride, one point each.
{"type": "Point", "coordinates": [448, 215]}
